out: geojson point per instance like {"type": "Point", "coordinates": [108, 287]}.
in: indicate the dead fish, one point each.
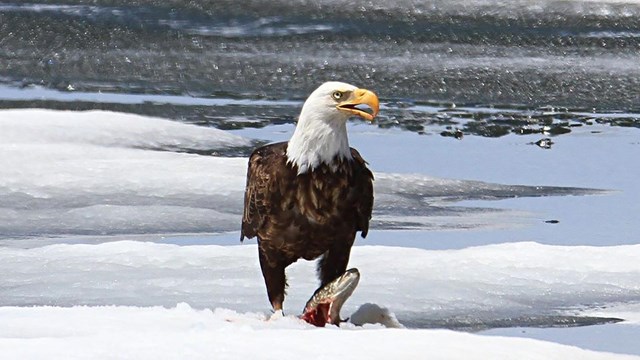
{"type": "Point", "coordinates": [325, 304]}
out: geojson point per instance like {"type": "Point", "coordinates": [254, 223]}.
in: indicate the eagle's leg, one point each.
{"type": "Point", "coordinates": [334, 262]}
{"type": "Point", "coordinates": [274, 278]}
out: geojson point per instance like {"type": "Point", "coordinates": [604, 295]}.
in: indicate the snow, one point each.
{"type": "Point", "coordinates": [470, 286]}
{"type": "Point", "coordinates": [133, 174]}
{"type": "Point", "coordinates": [68, 291]}
{"type": "Point", "coordinates": [182, 332]}
{"type": "Point", "coordinates": [629, 312]}
{"type": "Point", "coordinates": [42, 93]}
{"type": "Point", "coordinates": [104, 128]}
{"type": "Point", "coordinates": [123, 169]}
{"type": "Point", "coordinates": [148, 300]}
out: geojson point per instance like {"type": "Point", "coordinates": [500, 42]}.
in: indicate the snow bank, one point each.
{"type": "Point", "coordinates": [105, 128]}
{"type": "Point", "coordinates": [629, 312]}
{"type": "Point", "coordinates": [185, 333]}
{"type": "Point", "coordinates": [451, 288]}
{"type": "Point", "coordinates": [94, 172]}
{"type": "Point", "coordinates": [109, 173]}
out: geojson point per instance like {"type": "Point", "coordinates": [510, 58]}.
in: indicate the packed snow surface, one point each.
{"type": "Point", "coordinates": [425, 288]}
{"type": "Point", "coordinates": [101, 173]}
{"type": "Point", "coordinates": [68, 292]}
{"type": "Point", "coordinates": [146, 300]}
{"type": "Point", "coordinates": [186, 333]}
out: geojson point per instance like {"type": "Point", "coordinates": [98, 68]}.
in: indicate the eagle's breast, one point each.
{"type": "Point", "coordinates": [302, 215]}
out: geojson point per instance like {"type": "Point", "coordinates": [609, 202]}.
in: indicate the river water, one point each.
{"type": "Point", "coordinates": [551, 63]}
{"type": "Point", "coordinates": [575, 54]}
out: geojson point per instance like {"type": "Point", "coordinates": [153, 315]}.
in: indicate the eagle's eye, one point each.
{"type": "Point", "coordinates": [337, 95]}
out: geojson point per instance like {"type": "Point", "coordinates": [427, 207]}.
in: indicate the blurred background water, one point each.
{"type": "Point", "coordinates": [533, 58]}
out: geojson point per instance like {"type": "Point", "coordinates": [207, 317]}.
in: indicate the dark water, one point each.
{"type": "Point", "coordinates": [478, 324]}
{"type": "Point", "coordinates": [511, 54]}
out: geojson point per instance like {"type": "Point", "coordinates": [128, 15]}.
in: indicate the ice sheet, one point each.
{"type": "Point", "coordinates": [77, 175]}
{"type": "Point", "coordinates": [183, 332]}
{"type": "Point", "coordinates": [451, 288]}
{"type": "Point", "coordinates": [111, 173]}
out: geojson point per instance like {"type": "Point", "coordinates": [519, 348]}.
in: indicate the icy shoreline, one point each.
{"type": "Point", "coordinates": [70, 179]}
{"type": "Point", "coordinates": [183, 332]}
{"type": "Point", "coordinates": [104, 173]}
{"type": "Point", "coordinates": [472, 286]}
{"type": "Point", "coordinates": [148, 300]}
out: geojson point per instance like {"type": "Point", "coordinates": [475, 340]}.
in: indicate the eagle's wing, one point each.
{"type": "Point", "coordinates": [363, 185]}
{"type": "Point", "coordinates": [259, 189]}
{"type": "Point", "coordinates": [264, 192]}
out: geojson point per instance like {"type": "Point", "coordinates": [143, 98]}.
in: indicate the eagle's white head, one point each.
{"type": "Point", "coordinates": [321, 133]}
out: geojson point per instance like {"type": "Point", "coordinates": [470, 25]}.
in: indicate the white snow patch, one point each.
{"type": "Point", "coordinates": [96, 172]}
{"type": "Point", "coordinates": [181, 332]}
{"type": "Point", "coordinates": [105, 128]}
{"type": "Point", "coordinates": [69, 172]}
{"type": "Point", "coordinates": [375, 314]}
{"type": "Point", "coordinates": [476, 285]}
{"type": "Point", "coordinates": [630, 312]}
{"type": "Point", "coordinates": [102, 173]}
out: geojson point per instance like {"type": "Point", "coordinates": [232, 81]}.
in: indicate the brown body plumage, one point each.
{"type": "Point", "coordinates": [304, 216]}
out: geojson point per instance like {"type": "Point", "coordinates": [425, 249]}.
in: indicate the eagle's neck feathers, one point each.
{"type": "Point", "coordinates": [318, 140]}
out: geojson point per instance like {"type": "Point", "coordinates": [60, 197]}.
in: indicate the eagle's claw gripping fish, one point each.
{"type": "Point", "coordinates": [325, 304]}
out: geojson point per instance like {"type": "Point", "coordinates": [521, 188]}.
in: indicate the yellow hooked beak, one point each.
{"type": "Point", "coordinates": [355, 104]}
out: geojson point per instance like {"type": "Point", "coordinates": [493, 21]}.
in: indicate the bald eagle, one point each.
{"type": "Point", "coordinates": [308, 197]}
